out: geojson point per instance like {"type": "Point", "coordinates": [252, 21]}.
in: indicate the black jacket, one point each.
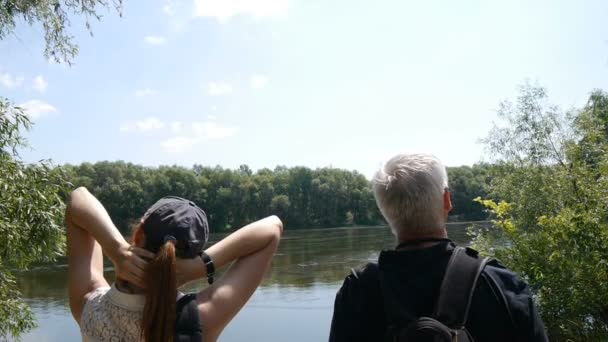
{"type": "Point", "coordinates": [415, 277]}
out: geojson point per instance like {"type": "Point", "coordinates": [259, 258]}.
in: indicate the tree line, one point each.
{"type": "Point", "coordinates": [302, 197]}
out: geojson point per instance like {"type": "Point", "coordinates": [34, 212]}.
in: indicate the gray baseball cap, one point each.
{"type": "Point", "coordinates": [177, 219]}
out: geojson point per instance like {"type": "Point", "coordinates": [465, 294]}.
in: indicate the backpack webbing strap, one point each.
{"type": "Point", "coordinates": [457, 287]}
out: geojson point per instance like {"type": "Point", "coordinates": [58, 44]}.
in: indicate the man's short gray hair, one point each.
{"type": "Point", "coordinates": [409, 191]}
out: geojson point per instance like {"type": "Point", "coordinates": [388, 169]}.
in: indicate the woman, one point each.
{"type": "Point", "coordinates": [166, 252]}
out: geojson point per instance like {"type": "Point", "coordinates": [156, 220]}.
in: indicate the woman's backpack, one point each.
{"type": "Point", "coordinates": [187, 324]}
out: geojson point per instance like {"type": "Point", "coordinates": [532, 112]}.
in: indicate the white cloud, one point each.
{"type": "Point", "coordinates": [213, 108]}
{"type": "Point", "coordinates": [168, 8]}
{"type": "Point", "coordinates": [35, 109]}
{"type": "Point", "coordinates": [212, 117]}
{"type": "Point", "coordinates": [219, 88]}
{"type": "Point", "coordinates": [10, 81]}
{"type": "Point", "coordinates": [155, 40]}
{"type": "Point", "coordinates": [176, 126]}
{"type": "Point", "coordinates": [201, 132]}
{"type": "Point", "coordinates": [224, 9]}
{"type": "Point", "coordinates": [145, 125]}
{"type": "Point", "coordinates": [144, 92]}
{"type": "Point", "coordinates": [40, 83]}
{"type": "Point", "coordinates": [258, 81]}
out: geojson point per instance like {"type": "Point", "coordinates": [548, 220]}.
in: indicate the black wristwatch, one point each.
{"type": "Point", "coordinates": [210, 267]}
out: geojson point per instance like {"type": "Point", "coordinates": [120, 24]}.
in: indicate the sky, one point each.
{"type": "Point", "coordinates": [316, 83]}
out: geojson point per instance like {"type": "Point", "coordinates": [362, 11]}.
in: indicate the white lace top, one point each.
{"type": "Point", "coordinates": [111, 315]}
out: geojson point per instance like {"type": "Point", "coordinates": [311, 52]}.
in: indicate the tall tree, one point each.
{"type": "Point", "coordinates": [30, 203]}
{"type": "Point", "coordinates": [467, 183]}
{"type": "Point", "coordinates": [54, 17]}
{"type": "Point", "coordinates": [551, 172]}
{"type": "Point", "coordinates": [31, 225]}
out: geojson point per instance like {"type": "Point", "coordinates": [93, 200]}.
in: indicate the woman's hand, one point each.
{"type": "Point", "coordinates": [130, 263]}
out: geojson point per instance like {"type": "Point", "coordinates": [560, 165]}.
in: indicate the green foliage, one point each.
{"type": "Point", "coordinates": [30, 203]}
{"type": "Point", "coordinates": [54, 17]}
{"type": "Point", "coordinates": [304, 198]}
{"type": "Point", "coordinates": [31, 211]}
{"type": "Point", "coordinates": [551, 225]}
{"type": "Point", "coordinates": [15, 315]}
{"type": "Point", "coordinates": [280, 204]}
{"type": "Point", "coordinates": [467, 183]}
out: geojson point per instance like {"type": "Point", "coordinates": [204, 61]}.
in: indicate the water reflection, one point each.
{"type": "Point", "coordinates": [300, 286]}
{"type": "Point", "coordinates": [324, 256]}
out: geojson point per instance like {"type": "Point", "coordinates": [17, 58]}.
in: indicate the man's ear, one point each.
{"type": "Point", "coordinates": [447, 201]}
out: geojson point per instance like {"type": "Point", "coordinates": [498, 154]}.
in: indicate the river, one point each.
{"type": "Point", "coordinates": [294, 302]}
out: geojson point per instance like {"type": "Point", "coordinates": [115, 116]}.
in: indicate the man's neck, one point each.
{"type": "Point", "coordinates": [420, 241]}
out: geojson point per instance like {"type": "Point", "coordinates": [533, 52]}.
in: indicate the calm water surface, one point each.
{"type": "Point", "coordinates": [294, 302]}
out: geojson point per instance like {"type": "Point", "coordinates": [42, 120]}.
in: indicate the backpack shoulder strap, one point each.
{"type": "Point", "coordinates": [457, 287]}
{"type": "Point", "coordinates": [187, 324]}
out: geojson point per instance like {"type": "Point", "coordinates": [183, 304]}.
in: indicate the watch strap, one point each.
{"type": "Point", "coordinates": [209, 265]}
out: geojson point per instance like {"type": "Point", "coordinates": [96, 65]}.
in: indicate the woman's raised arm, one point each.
{"type": "Point", "coordinates": [252, 247]}
{"type": "Point", "coordinates": [89, 231]}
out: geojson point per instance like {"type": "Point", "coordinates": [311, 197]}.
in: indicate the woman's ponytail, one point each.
{"type": "Point", "coordinates": [158, 321]}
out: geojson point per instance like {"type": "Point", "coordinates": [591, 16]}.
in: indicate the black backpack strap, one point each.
{"type": "Point", "coordinates": [457, 287]}
{"type": "Point", "coordinates": [187, 323]}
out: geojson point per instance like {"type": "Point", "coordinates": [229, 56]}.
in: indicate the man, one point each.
{"type": "Point", "coordinates": [411, 191]}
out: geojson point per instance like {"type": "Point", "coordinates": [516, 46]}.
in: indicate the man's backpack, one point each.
{"type": "Point", "coordinates": [448, 320]}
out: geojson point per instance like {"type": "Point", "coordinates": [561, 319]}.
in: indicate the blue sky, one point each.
{"type": "Point", "coordinates": [299, 82]}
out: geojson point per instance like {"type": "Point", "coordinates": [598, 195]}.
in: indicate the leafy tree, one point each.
{"type": "Point", "coordinates": [30, 203]}
{"type": "Point", "coordinates": [467, 183]}
{"type": "Point", "coordinates": [54, 17]}
{"type": "Point", "coordinates": [592, 126]}
{"type": "Point", "coordinates": [31, 209]}
{"type": "Point", "coordinates": [551, 175]}
{"type": "Point", "coordinates": [280, 204]}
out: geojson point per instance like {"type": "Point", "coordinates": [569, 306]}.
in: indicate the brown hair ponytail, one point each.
{"type": "Point", "coordinates": [161, 295]}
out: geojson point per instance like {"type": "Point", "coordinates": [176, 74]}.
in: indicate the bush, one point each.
{"type": "Point", "coordinates": [551, 174]}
